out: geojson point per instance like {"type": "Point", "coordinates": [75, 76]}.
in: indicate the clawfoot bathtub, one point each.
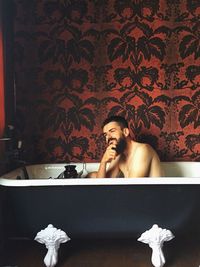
{"type": "Point", "coordinates": [110, 208]}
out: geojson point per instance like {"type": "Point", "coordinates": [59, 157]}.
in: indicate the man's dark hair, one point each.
{"type": "Point", "coordinates": [119, 119]}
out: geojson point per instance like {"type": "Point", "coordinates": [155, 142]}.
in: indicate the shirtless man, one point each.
{"type": "Point", "coordinates": [125, 156]}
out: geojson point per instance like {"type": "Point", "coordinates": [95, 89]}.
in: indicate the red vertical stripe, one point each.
{"type": "Point", "coordinates": [2, 107]}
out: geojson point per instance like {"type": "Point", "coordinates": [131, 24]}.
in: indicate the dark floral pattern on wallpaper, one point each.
{"type": "Point", "coordinates": [83, 60]}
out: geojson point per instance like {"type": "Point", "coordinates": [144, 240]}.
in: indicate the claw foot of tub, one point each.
{"type": "Point", "coordinates": [52, 238]}
{"type": "Point", "coordinates": [155, 237]}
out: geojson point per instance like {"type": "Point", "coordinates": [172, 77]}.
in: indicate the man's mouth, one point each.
{"type": "Point", "coordinates": [112, 141]}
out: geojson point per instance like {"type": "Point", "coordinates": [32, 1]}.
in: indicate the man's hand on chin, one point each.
{"type": "Point", "coordinates": [110, 153]}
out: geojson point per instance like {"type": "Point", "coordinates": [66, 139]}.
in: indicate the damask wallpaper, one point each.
{"type": "Point", "coordinates": [78, 61]}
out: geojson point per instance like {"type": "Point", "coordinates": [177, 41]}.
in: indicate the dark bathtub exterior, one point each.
{"type": "Point", "coordinates": [101, 211]}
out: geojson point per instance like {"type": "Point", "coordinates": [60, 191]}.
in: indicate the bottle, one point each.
{"type": "Point", "coordinates": [84, 172]}
{"type": "Point", "coordinates": [70, 171]}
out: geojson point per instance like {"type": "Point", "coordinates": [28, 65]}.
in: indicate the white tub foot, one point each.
{"type": "Point", "coordinates": [51, 237]}
{"type": "Point", "coordinates": [155, 237]}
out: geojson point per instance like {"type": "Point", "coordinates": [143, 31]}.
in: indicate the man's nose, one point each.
{"type": "Point", "coordinates": [110, 139]}
{"type": "Point", "coordinates": [108, 136]}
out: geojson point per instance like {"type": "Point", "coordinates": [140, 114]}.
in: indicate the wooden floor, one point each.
{"type": "Point", "coordinates": [101, 253]}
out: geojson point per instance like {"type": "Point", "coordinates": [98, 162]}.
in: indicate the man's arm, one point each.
{"type": "Point", "coordinates": [110, 156]}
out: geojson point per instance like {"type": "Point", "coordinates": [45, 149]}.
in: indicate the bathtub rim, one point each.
{"type": "Point", "coordinates": [7, 181]}
{"type": "Point", "coordinates": [100, 181]}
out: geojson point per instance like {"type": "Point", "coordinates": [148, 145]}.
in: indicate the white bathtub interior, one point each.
{"type": "Point", "coordinates": [52, 170]}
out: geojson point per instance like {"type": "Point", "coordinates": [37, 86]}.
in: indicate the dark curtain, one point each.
{"type": "Point", "coordinates": [2, 111]}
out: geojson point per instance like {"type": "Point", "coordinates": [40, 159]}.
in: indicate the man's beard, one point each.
{"type": "Point", "coordinates": [120, 146]}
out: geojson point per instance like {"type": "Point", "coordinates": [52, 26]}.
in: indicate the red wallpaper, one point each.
{"type": "Point", "coordinates": [78, 61]}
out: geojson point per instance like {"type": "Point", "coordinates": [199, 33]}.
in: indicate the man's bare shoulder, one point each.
{"type": "Point", "coordinates": [143, 148]}
{"type": "Point", "coordinates": [144, 151]}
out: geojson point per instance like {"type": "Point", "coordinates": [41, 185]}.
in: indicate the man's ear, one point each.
{"type": "Point", "coordinates": [126, 132]}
